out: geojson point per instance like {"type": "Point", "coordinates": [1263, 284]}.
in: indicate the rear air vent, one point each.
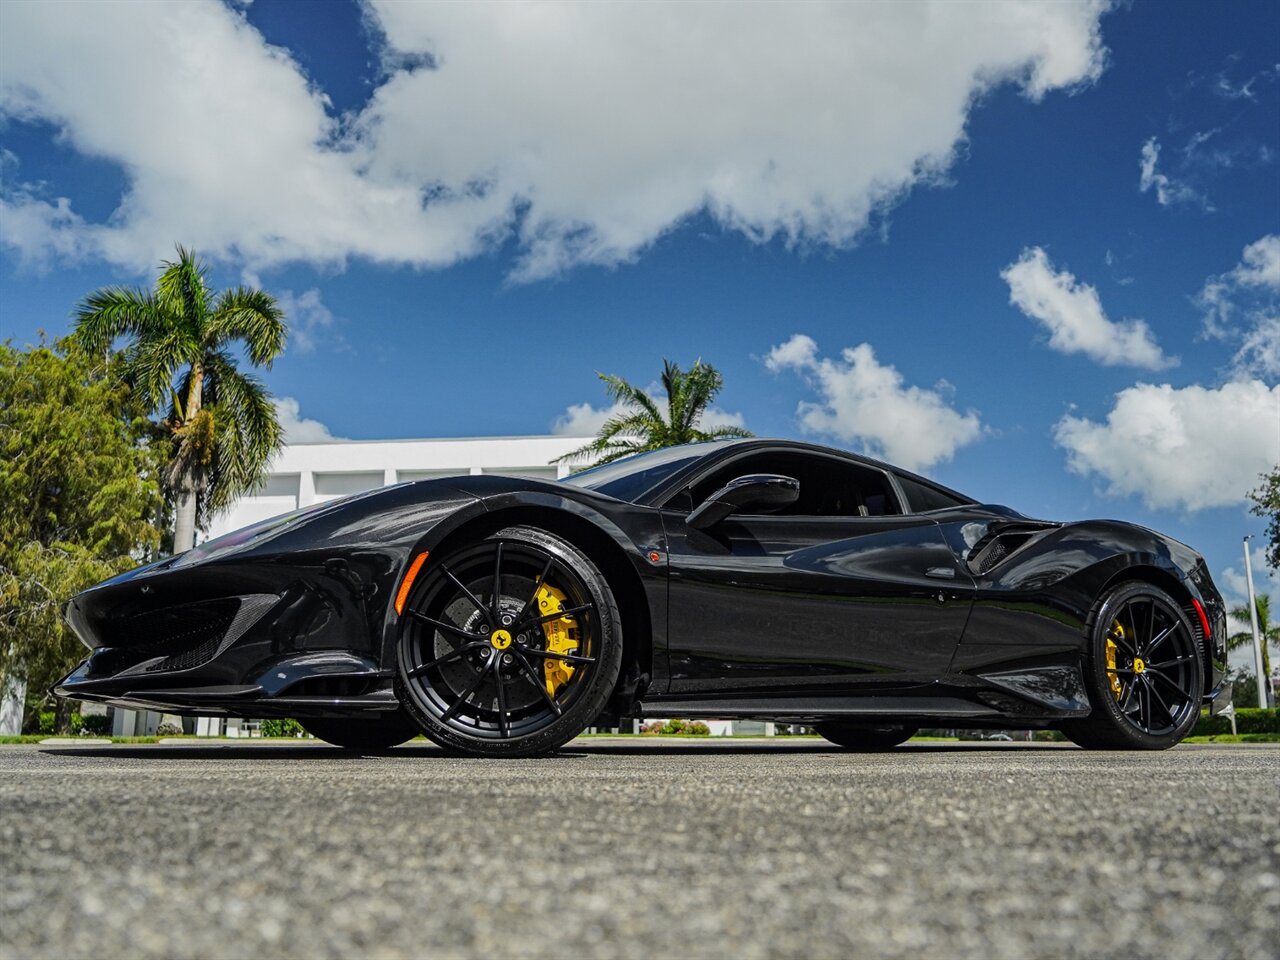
{"type": "Point", "coordinates": [1001, 543]}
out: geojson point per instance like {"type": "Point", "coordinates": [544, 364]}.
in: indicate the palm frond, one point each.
{"type": "Point", "coordinates": [723, 433]}
{"type": "Point", "coordinates": [643, 426]}
{"type": "Point", "coordinates": [150, 363]}
{"type": "Point", "coordinates": [184, 292]}
{"type": "Point", "coordinates": [113, 312]}
{"type": "Point", "coordinates": [252, 316]}
{"type": "Point", "coordinates": [248, 433]}
{"type": "Point", "coordinates": [620, 391]}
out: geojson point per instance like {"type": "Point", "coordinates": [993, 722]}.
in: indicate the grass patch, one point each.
{"type": "Point", "coordinates": [37, 737]}
{"type": "Point", "coordinates": [1236, 738]}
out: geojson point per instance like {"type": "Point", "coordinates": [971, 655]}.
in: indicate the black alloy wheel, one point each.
{"type": "Point", "coordinates": [365, 734]}
{"type": "Point", "coordinates": [1144, 673]}
{"type": "Point", "coordinates": [508, 647]}
{"type": "Point", "coordinates": [866, 738]}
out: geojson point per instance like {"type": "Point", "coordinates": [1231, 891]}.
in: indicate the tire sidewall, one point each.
{"type": "Point", "coordinates": [585, 708]}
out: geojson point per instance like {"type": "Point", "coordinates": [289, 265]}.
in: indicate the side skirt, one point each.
{"type": "Point", "coordinates": [1031, 696]}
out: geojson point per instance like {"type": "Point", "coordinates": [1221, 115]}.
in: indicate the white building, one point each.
{"type": "Point", "coordinates": [307, 473]}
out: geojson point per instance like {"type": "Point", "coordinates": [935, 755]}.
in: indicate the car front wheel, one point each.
{"type": "Point", "coordinates": [509, 647]}
{"type": "Point", "coordinates": [1144, 671]}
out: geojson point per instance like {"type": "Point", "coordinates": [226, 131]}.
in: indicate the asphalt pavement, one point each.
{"type": "Point", "coordinates": [640, 848]}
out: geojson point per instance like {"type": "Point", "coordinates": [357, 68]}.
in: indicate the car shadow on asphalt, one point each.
{"type": "Point", "coordinates": [325, 752]}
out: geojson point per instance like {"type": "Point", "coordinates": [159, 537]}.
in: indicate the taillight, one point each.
{"type": "Point", "coordinates": [1204, 620]}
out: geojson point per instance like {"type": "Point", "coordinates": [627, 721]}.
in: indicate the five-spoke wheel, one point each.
{"type": "Point", "coordinates": [510, 646]}
{"type": "Point", "coordinates": [1144, 672]}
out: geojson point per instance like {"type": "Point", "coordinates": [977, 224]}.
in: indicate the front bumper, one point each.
{"type": "Point", "coordinates": [330, 683]}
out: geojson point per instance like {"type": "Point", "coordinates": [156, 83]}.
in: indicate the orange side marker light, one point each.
{"type": "Point", "coordinates": [407, 583]}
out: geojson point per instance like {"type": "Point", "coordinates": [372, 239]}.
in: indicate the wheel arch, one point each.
{"type": "Point", "coordinates": [1171, 584]}
{"type": "Point", "coordinates": [609, 556]}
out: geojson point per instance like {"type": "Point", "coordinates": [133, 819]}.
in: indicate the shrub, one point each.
{"type": "Point", "coordinates": [281, 728]}
{"type": "Point", "coordinates": [688, 728]}
{"type": "Point", "coordinates": [1248, 720]}
{"type": "Point", "coordinates": [94, 724]}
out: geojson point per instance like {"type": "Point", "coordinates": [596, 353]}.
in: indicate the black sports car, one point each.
{"type": "Point", "coordinates": [759, 579]}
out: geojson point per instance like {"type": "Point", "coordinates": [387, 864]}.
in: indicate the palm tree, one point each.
{"type": "Point", "coordinates": [179, 359]}
{"type": "Point", "coordinates": [1269, 633]}
{"type": "Point", "coordinates": [643, 426]}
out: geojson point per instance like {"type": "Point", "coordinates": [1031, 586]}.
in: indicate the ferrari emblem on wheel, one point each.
{"type": "Point", "coordinates": [735, 579]}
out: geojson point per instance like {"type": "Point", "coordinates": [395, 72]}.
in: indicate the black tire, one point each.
{"type": "Point", "coordinates": [367, 734]}
{"type": "Point", "coordinates": [483, 670]}
{"type": "Point", "coordinates": [865, 738]}
{"type": "Point", "coordinates": [1146, 694]}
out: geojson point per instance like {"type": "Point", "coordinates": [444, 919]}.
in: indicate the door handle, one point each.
{"type": "Point", "coordinates": [941, 573]}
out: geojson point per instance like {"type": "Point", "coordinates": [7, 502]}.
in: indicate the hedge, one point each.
{"type": "Point", "coordinates": [1248, 720]}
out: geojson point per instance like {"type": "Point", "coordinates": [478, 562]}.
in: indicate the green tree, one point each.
{"type": "Point", "coordinates": [1270, 634]}
{"type": "Point", "coordinates": [179, 360]}
{"type": "Point", "coordinates": [644, 426]}
{"type": "Point", "coordinates": [80, 501]}
{"type": "Point", "coordinates": [1266, 504]}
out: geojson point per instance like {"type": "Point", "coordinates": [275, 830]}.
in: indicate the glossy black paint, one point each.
{"type": "Point", "coordinates": [969, 611]}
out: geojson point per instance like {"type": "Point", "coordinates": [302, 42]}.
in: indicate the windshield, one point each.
{"type": "Point", "coordinates": [632, 477]}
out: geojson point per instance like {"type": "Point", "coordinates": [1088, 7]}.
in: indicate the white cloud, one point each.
{"type": "Point", "coordinates": [308, 318]}
{"type": "Point", "coordinates": [586, 130]}
{"type": "Point", "coordinates": [298, 429]}
{"type": "Point", "coordinates": [1168, 190]}
{"type": "Point", "coordinates": [1188, 448]}
{"type": "Point", "coordinates": [585, 420]}
{"type": "Point", "coordinates": [1259, 265]}
{"type": "Point", "coordinates": [1243, 305]}
{"type": "Point", "coordinates": [865, 402]}
{"type": "Point", "coordinates": [1072, 312]}
{"type": "Point", "coordinates": [1230, 89]}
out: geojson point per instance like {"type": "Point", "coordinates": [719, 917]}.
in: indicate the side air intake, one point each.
{"type": "Point", "coordinates": [179, 637]}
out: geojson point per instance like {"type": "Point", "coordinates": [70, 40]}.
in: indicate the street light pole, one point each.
{"type": "Point", "coordinates": [1257, 634]}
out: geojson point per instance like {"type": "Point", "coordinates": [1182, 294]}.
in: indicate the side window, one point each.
{"type": "Point", "coordinates": [829, 487]}
{"type": "Point", "coordinates": [922, 497]}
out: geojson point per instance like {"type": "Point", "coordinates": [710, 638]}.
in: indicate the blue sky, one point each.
{"type": "Point", "coordinates": [1055, 226]}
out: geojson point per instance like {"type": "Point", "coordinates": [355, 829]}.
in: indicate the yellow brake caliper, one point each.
{"type": "Point", "coordinates": [1116, 631]}
{"type": "Point", "coordinates": [562, 637]}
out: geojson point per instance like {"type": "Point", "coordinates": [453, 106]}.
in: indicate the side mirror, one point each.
{"type": "Point", "coordinates": [764, 493]}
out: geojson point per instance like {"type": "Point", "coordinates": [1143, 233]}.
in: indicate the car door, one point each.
{"type": "Point", "coordinates": [842, 591]}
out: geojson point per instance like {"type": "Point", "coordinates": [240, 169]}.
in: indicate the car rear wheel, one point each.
{"type": "Point", "coordinates": [854, 737]}
{"type": "Point", "coordinates": [508, 647]}
{"type": "Point", "coordinates": [364, 733]}
{"type": "Point", "coordinates": [1144, 671]}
